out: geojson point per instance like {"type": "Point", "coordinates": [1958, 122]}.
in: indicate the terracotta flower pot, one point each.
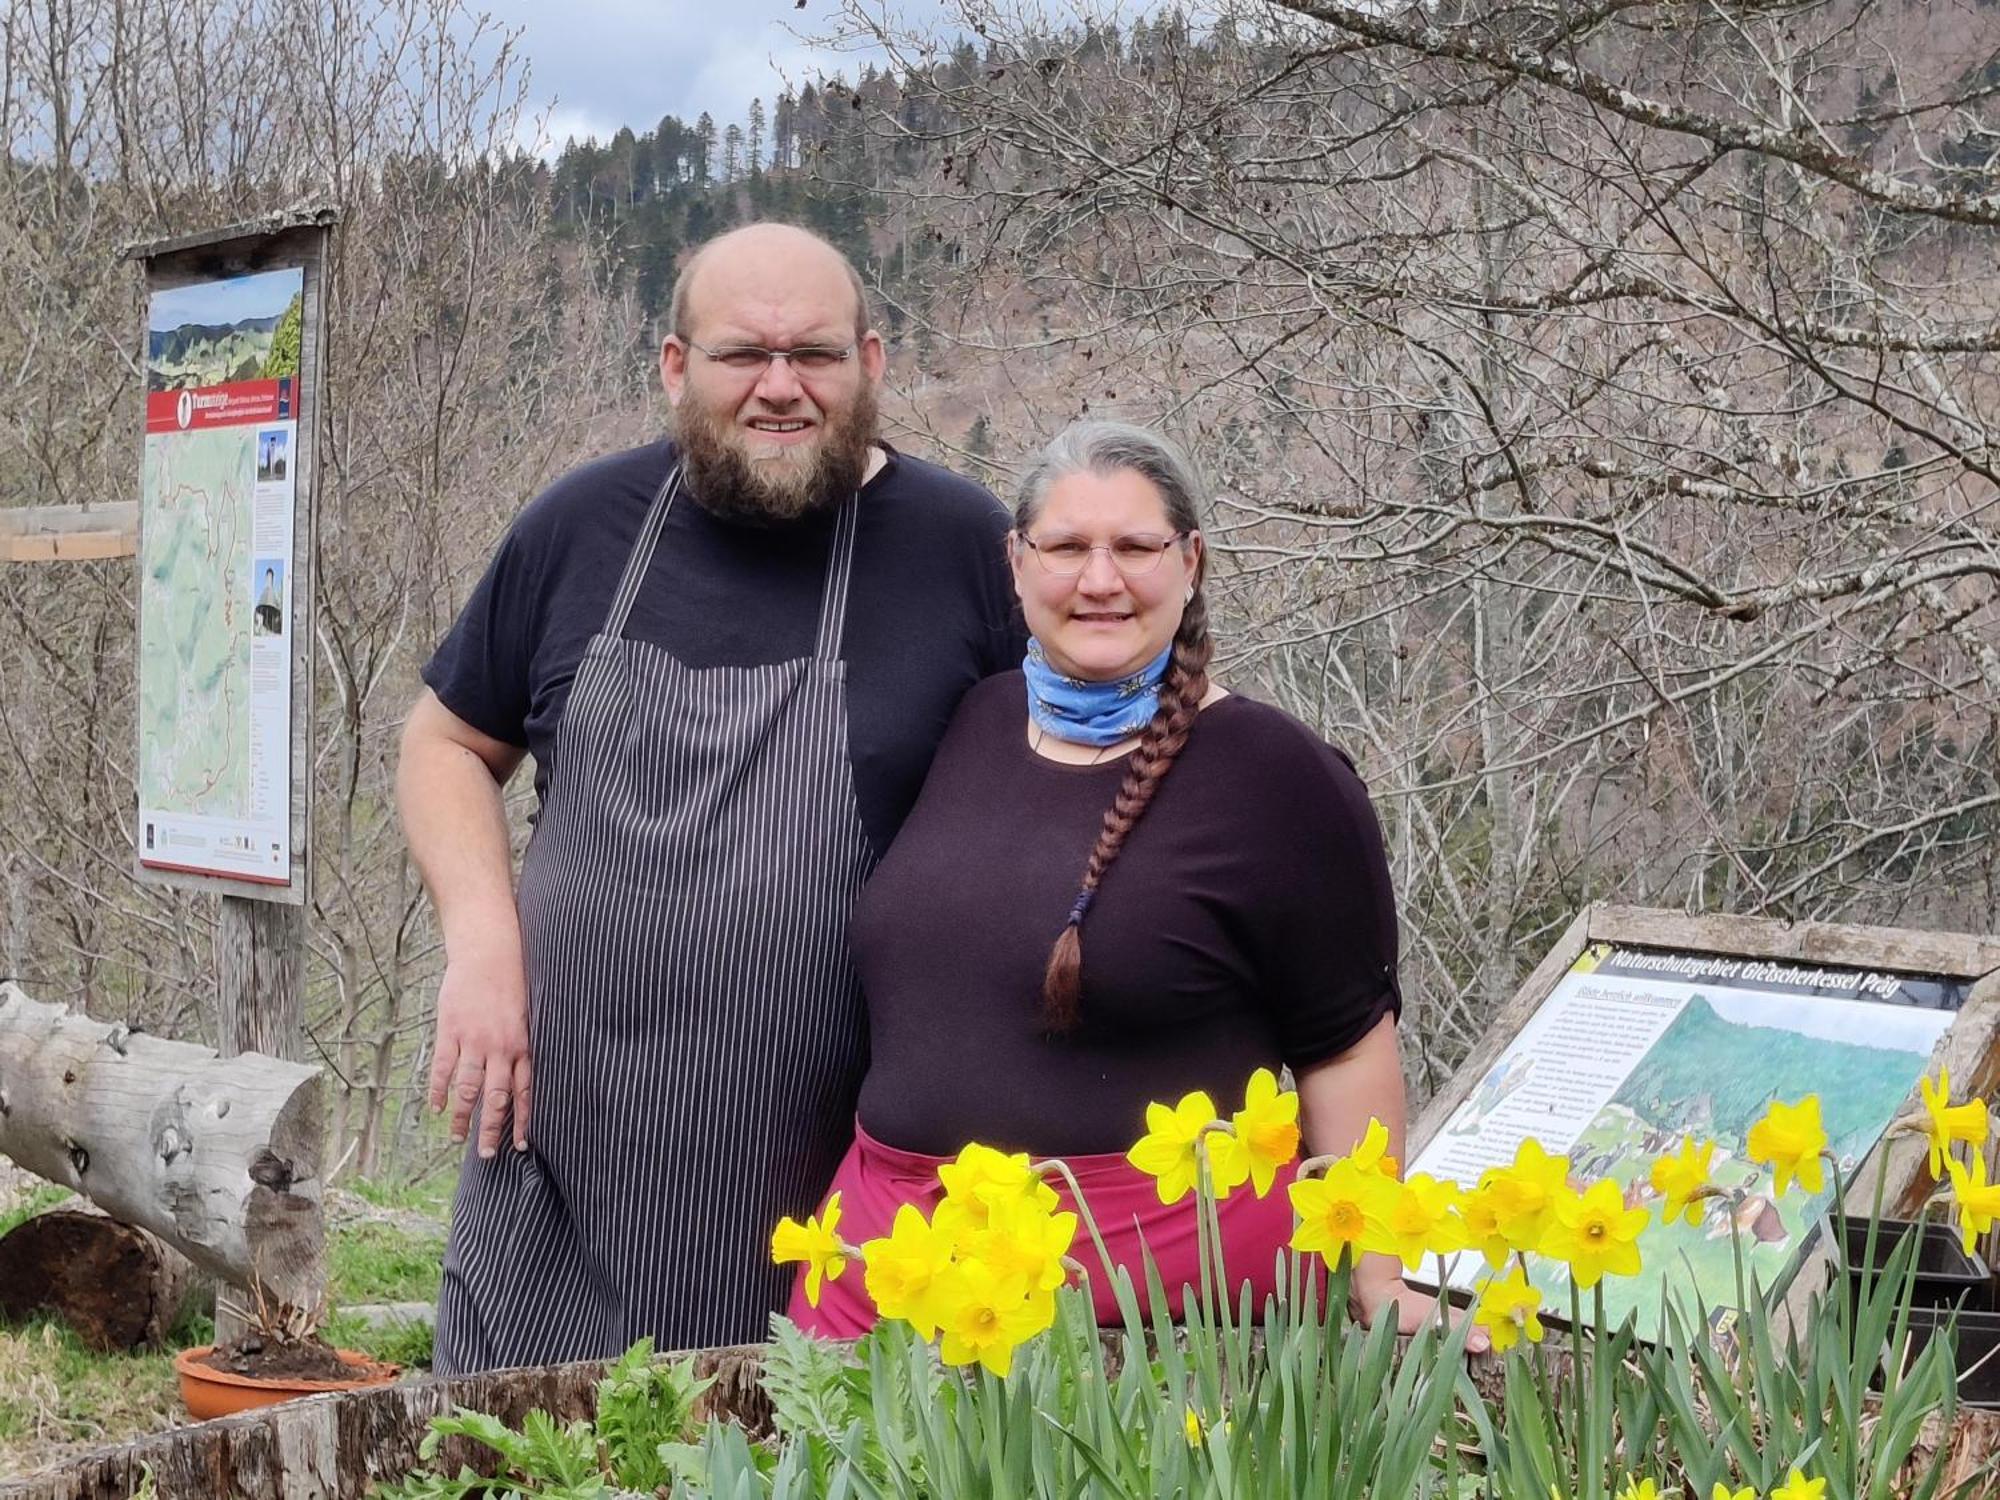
{"type": "Point", "coordinates": [209, 1392]}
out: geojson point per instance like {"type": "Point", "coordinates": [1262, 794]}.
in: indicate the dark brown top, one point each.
{"type": "Point", "coordinates": [1249, 922]}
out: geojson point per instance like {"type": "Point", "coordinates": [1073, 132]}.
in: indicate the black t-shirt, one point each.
{"type": "Point", "coordinates": [1248, 922]}
{"type": "Point", "coordinates": [930, 610]}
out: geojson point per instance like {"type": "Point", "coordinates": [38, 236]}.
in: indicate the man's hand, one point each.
{"type": "Point", "coordinates": [481, 1056]}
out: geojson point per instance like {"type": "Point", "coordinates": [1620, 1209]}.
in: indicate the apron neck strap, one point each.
{"type": "Point", "coordinates": [833, 599]}
{"type": "Point", "coordinates": [839, 571]}
{"type": "Point", "coordinates": [642, 552]}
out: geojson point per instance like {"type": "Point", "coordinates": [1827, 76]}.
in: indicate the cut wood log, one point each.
{"type": "Point", "coordinates": [218, 1157]}
{"type": "Point", "coordinates": [119, 1287]}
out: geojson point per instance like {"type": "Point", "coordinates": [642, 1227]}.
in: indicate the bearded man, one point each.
{"type": "Point", "coordinates": [731, 656]}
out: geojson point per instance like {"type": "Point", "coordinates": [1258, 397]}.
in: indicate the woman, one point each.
{"type": "Point", "coordinates": [1119, 884]}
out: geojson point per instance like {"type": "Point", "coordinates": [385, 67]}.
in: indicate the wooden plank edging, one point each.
{"type": "Point", "coordinates": [334, 1447]}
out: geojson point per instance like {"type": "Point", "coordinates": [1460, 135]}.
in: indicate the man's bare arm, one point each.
{"type": "Point", "coordinates": [448, 790]}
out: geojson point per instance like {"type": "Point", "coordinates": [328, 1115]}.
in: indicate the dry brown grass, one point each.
{"type": "Point", "coordinates": [58, 1399]}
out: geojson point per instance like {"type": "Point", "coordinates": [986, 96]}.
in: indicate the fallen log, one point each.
{"type": "Point", "coordinates": [119, 1287]}
{"type": "Point", "coordinates": [219, 1157]}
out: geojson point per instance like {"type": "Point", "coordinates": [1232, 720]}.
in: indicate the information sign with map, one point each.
{"type": "Point", "coordinates": [1636, 1048]}
{"type": "Point", "coordinates": [215, 571]}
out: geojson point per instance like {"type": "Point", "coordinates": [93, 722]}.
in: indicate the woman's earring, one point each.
{"type": "Point", "coordinates": [1188, 597]}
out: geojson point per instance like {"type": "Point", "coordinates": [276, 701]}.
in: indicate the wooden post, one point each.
{"type": "Point", "coordinates": [260, 963]}
{"type": "Point", "coordinates": [260, 958]}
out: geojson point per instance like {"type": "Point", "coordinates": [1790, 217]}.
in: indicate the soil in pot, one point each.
{"type": "Point", "coordinates": [216, 1383]}
{"type": "Point", "coordinates": [264, 1358]}
{"type": "Point", "coordinates": [1945, 1276]}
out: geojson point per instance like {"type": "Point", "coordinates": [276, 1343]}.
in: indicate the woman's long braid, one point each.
{"type": "Point", "coordinates": [1181, 692]}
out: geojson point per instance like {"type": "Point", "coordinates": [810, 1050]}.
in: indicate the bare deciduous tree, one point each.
{"type": "Point", "coordinates": [1600, 401]}
{"type": "Point", "coordinates": [471, 352]}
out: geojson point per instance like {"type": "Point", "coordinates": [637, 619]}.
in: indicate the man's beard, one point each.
{"type": "Point", "coordinates": [794, 482]}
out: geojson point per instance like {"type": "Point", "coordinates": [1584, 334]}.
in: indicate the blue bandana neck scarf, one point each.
{"type": "Point", "coordinates": [1092, 713]}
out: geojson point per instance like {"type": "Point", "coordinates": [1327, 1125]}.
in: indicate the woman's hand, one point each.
{"type": "Point", "coordinates": [1377, 1283]}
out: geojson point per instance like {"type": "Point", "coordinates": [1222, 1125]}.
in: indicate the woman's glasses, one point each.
{"type": "Point", "coordinates": [1065, 556]}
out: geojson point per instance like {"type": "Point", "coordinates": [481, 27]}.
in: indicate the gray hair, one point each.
{"type": "Point", "coordinates": [1104, 448]}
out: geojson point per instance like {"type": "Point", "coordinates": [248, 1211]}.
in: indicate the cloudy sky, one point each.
{"type": "Point", "coordinates": [600, 64]}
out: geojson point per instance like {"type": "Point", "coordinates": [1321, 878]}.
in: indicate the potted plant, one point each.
{"type": "Point", "coordinates": [281, 1357]}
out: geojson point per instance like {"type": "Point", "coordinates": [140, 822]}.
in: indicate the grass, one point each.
{"type": "Point", "coordinates": [371, 1262]}
{"type": "Point", "coordinates": [58, 1398]}
{"type": "Point", "coordinates": [431, 1195]}
{"type": "Point", "coordinates": [37, 1199]}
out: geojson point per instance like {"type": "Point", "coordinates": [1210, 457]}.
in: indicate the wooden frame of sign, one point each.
{"type": "Point", "coordinates": [1969, 1047]}
{"type": "Point", "coordinates": [260, 936]}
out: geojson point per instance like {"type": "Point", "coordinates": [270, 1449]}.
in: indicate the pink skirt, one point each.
{"type": "Point", "coordinates": [874, 1180]}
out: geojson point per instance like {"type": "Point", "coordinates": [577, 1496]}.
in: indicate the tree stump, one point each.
{"type": "Point", "coordinates": [119, 1287]}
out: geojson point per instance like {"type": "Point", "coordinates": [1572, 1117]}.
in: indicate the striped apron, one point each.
{"type": "Point", "coordinates": [694, 1020]}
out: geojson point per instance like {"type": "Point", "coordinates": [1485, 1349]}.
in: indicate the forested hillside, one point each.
{"type": "Point", "coordinates": [1599, 403]}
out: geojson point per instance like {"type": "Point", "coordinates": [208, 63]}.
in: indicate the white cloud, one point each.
{"type": "Point", "coordinates": [544, 129]}
{"type": "Point", "coordinates": [596, 65]}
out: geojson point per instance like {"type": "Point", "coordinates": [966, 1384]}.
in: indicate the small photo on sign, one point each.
{"type": "Point", "coordinates": [269, 613]}
{"type": "Point", "coordinates": [274, 446]}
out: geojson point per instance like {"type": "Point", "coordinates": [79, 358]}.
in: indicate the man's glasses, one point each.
{"type": "Point", "coordinates": [1135, 556]}
{"type": "Point", "coordinates": [749, 359]}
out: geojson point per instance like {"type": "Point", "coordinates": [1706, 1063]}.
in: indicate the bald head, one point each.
{"type": "Point", "coordinates": [760, 263]}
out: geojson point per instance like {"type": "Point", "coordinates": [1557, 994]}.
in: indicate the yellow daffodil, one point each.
{"type": "Point", "coordinates": [1976, 1199]}
{"type": "Point", "coordinates": [1422, 1218]}
{"type": "Point", "coordinates": [1678, 1178]}
{"type": "Point", "coordinates": [1948, 1122]}
{"type": "Point", "coordinates": [1166, 1152]}
{"type": "Point", "coordinates": [1594, 1233]}
{"type": "Point", "coordinates": [984, 1318]}
{"type": "Point", "coordinates": [1789, 1140]}
{"type": "Point", "coordinates": [981, 1177]}
{"type": "Point", "coordinates": [1798, 1487]}
{"type": "Point", "coordinates": [1639, 1489]}
{"type": "Point", "coordinates": [1480, 1214]}
{"type": "Point", "coordinates": [1345, 1210]}
{"type": "Point", "coordinates": [1509, 1309]}
{"type": "Point", "coordinates": [902, 1269]}
{"type": "Point", "coordinates": [1025, 1241]}
{"type": "Point", "coordinates": [1198, 1430]}
{"type": "Point", "coordinates": [1371, 1152]}
{"type": "Point", "coordinates": [1524, 1192]}
{"type": "Point", "coordinates": [1263, 1136]}
{"type": "Point", "coordinates": [1723, 1492]}
{"type": "Point", "coordinates": [813, 1242]}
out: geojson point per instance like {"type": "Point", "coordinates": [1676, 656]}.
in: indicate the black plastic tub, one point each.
{"type": "Point", "coordinates": [1975, 1350]}
{"type": "Point", "coordinates": [1946, 1277]}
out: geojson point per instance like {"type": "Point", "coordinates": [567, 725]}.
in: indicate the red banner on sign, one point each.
{"type": "Point", "coordinates": [237, 404]}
